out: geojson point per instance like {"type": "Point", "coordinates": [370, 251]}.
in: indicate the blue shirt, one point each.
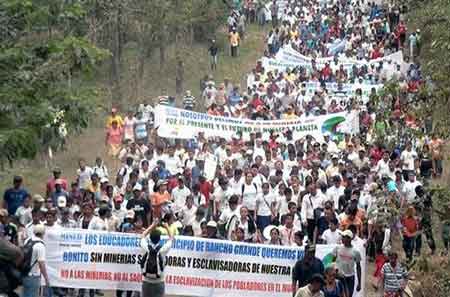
{"type": "Point", "coordinates": [14, 198]}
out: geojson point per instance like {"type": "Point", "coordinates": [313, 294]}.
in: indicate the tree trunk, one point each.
{"type": "Point", "coordinates": [115, 65]}
{"type": "Point", "coordinates": [162, 49]}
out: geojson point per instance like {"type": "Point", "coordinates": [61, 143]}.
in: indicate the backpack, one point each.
{"type": "Point", "coordinates": [27, 251]}
{"type": "Point", "coordinates": [151, 260]}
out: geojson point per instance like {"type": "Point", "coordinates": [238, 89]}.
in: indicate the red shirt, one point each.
{"type": "Point", "coordinates": [206, 189]}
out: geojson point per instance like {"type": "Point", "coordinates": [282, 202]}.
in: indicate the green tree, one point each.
{"type": "Point", "coordinates": [44, 64]}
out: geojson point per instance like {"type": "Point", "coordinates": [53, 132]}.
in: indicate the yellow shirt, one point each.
{"type": "Point", "coordinates": [234, 39]}
{"type": "Point", "coordinates": [111, 119]}
{"type": "Point", "coordinates": [173, 229]}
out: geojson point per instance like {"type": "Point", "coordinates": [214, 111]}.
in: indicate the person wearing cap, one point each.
{"type": "Point", "coordinates": [140, 205]}
{"type": "Point", "coordinates": [14, 196]}
{"type": "Point", "coordinates": [347, 258]}
{"type": "Point", "coordinates": [50, 186]}
{"type": "Point", "coordinates": [114, 117]}
{"type": "Point", "coordinates": [235, 40]}
{"type": "Point", "coordinates": [313, 289]}
{"type": "Point", "coordinates": [160, 199]}
{"type": "Point", "coordinates": [58, 192]}
{"type": "Point", "coordinates": [306, 268]}
{"type": "Point", "coordinates": [118, 209]}
{"type": "Point", "coordinates": [32, 282]}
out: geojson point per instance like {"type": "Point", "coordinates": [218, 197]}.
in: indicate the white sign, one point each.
{"type": "Point", "coordinates": [184, 124]}
{"type": "Point", "coordinates": [79, 258]}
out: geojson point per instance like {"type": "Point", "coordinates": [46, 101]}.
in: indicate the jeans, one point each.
{"type": "Point", "coordinates": [152, 289]}
{"type": "Point", "coordinates": [408, 246]}
{"type": "Point", "coordinates": [262, 222]}
{"type": "Point", "coordinates": [31, 285]}
{"type": "Point", "coordinates": [234, 51]}
{"type": "Point", "coordinates": [349, 282]}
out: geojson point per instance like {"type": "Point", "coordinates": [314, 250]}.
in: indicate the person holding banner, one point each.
{"type": "Point", "coordinates": [153, 267]}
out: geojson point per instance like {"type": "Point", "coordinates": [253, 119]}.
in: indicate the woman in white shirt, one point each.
{"type": "Point", "coordinates": [249, 191]}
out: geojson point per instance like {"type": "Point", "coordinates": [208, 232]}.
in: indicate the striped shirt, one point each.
{"type": "Point", "coordinates": [163, 100]}
{"type": "Point", "coordinates": [393, 277]}
{"type": "Point", "coordinates": [188, 101]}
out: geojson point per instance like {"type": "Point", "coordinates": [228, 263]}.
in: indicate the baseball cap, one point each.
{"type": "Point", "coordinates": [347, 233]}
{"type": "Point", "coordinates": [212, 224]}
{"type": "Point", "coordinates": [38, 198]}
{"type": "Point", "coordinates": [104, 180]}
{"type": "Point", "coordinates": [137, 187]}
{"type": "Point", "coordinates": [58, 181]}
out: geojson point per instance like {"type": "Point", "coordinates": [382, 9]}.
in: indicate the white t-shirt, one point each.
{"type": "Point", "coordinates": [249, 194]}
{"type": "Point", "coordinates": [221, 196]}
{"type": "Point", "coordinates": [331, 237]}
{"type": "Point", "coordinates": [179, 198]}
{"type": "Point", "coordinates": [84, 177]}
{"type": "Point", "coordinates": [334, 193]}
{"type": "Point", "coordinates": [410, 190]}
{"type": "Point", "coordinates": [264, 203]}
{"type": "Point", "coordinates": [408, 159]}
{"type": "Point", "coordinates": [188, 215]}
{"type": "Point", "coordinates": [38, 255]}
{"type": "Point", "coordinates": [24, 215]}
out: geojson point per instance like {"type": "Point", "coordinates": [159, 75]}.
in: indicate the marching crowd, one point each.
{"type": "Point", "coordinates": [350, 189]}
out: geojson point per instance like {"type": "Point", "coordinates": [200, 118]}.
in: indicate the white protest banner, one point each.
{"type": "Point", "coordinates": [184, 124]}
{"type": "Point", "coordinates": [91, 259]}
{"type": "Point", "coordinates": [287, 57]}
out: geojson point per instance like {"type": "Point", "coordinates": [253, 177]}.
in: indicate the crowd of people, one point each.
{"type": "Point", "coordinates": [369, 186]}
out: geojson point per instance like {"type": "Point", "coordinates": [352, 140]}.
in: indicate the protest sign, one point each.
{"type": "Point", "coordinates": [184, 124]}
{"type": "Point", "coordinates": [79, 258]}
{"type": "Point", "coordinates": [287, 57]}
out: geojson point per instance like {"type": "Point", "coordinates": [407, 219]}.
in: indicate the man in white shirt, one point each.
{"type": "Point", "coordinates": [179, 195]}
{"type": "Point", "coordinates": [335, 191]}
{"type": "Point", "coordinates": [32, 282]}
{"type": "Point", "coordinates": [84, 174]}
{"type": "Point", "coordinates": [220, 196]}
{"type": "Point", "coordinates": [410, 188]}
{"type": "Point", "coordinates": [407, 158]}
{"type": "Point", "coordinates": [332, 235]}
{"type": "Point", "coordinates": [383, 165]}
{"type": "Point", "coordinates": [188, 212]}
{"type": "Point", "coordinates": [312, 201]}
